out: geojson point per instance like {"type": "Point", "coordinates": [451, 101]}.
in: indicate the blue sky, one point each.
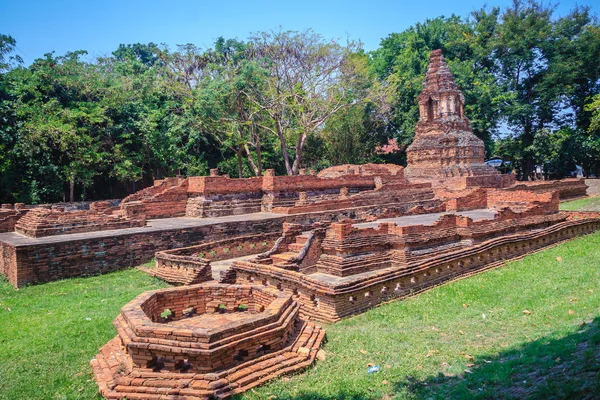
{"type": "Point", "coordinates": [99, 26]}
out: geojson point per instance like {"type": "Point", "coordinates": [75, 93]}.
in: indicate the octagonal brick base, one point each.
{"type": "Point", "coordinates": [209, 347]}
{"type": "Point", "coordinates": [118, 378]}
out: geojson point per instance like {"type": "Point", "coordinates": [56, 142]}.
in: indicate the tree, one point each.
{"type": "Point", "coordinates": [229, 116]}
{"type": "Point", "coordinates": [7, 47]}
{"type": "Point", "coordinates": [309, 81]}
{"type": "Point", "coordinates": [402, 59]}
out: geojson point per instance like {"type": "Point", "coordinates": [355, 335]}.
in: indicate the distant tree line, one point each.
{"type": "Point", "coordinates": [72, 128]}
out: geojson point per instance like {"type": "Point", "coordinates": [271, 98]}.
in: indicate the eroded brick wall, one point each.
{"type": "Point", "coordinates": [41, 222]}
{"type": "Point", "coordinates": [70, 258]}
{"type": "Point", "coordinates": [8, 262]}
{"type": "Point", "coordinates": [567, 188]}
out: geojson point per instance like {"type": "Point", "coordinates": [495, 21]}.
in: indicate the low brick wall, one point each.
{"type": "Point", "coordinates": [8, 219]}
{"type": "Point", "coordinates": [224, 204]}
{"type": "Point", "coordinates": [37, 263]}
{"type": "Point", "coordinates": [568, 188]}
{"type": "Point", "coordinates": [191, 265]}
{"type": "Point", "coordinates": [41, 222]}
{"type": "Point", "coordinates": [463, 200]}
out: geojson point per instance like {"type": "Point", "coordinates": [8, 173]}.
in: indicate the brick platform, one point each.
{"type": "Point", "coordinates": [360, 268]}
{"type": "Point", "coordinates": [25, 260]}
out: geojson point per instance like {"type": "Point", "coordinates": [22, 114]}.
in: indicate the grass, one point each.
{"type": "Point", "coordinates": [591, 203]}
{"type": "Point", "coordinates": [506, 333]}
{"type": "Point", "coordinates": [530, 329]}
{"type": "Point", "coordinates": [49, 333]}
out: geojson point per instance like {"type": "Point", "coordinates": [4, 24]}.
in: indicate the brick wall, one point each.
{"type": "Point", "coordinates": [8, 262]}
{"type": "Point", "coordinates": [190, 265]}
{"type": "Point", "coordinates": [8, 219]}
{"type": "Point", "coordinates": [208, 185]}
{"type": "Point", "coordinates": [463, 200]}
{"type": "Point", "coordinates": [522, 199]}
{"type": "Point", "coordinates": [269, 320]}
{"type": "Point", "coordinates": [567, 188]}
{"type": "Point", "coordinates": [40, 222]}
{"type": "Point", "coordinates": [70, 258]}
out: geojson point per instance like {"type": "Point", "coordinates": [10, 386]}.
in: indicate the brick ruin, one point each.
{"type": "Point", "coordinates": [204, 341]}
{"type": "Point", "coordinates": [214, 337]}
{"type": "Point", "coordinates": [256, 259]}
{"type": "Point", "coordinates": [189, 265]}
{"type": "Point", "coordinates": [343, 268]}
{"type": "Point", "coordinates": [444, 150]}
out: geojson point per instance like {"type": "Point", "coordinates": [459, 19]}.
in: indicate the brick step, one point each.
{"type": "Point", "coordinates": [301, 239]}
{"type": "Point", "coordinates": [295, 247]}
{"type": "Point", "coordinates": [283, 258]}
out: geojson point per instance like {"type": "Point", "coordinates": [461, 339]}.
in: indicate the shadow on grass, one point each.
{"type": "Point", "coordinates": [565, 368]}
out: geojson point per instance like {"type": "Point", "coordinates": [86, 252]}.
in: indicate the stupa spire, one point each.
{"type": "Point", "coordinates": [445, 151]}
{"type": "Point", "coordinates": [441, 98]}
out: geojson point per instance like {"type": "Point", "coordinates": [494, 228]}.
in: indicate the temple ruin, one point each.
{"type": "Point", "coordinates": [444, 150]}
{"type": "Point", "coordinates": [255, 261]}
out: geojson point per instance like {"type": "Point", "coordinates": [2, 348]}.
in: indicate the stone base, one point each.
{"type": "Point", "coordinates": [118, 378]}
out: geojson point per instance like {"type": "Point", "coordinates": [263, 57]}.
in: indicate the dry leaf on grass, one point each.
{"type": "Point", "coordinates": [321, 355]}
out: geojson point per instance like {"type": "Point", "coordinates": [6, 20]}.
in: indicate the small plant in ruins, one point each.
{"type": "Point", "coordinates": [166, 315]}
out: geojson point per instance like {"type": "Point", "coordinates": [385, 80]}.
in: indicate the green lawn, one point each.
{"type": "Point", "coordinates": [465, 339]}
{"type": "Point", "coordinates": [48, 333]}
{"type": "Point", "coordinates": [591, 203]}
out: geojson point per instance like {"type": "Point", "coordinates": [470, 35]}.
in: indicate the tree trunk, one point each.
{"type": "Point", "coordinates": [239, 157]}
{"type": "Point", "coordinates": [284, 152]}
{"type": "Point", "coordinates": [72, 190]}
{"type": "Point", "coordinates": [251, 161]}
{"type": "Point", "coordinates": [258, 157]}
{"type": "Point", "coordinates": [299, 148]}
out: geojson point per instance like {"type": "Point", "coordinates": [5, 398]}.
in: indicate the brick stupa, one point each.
{"type": "Point", "coordinates": [445, 151]}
